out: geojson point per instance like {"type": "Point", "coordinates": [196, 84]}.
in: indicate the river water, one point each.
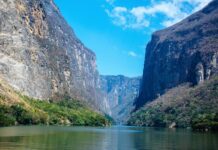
{"type": "Point", "coordinates": [111, 138]}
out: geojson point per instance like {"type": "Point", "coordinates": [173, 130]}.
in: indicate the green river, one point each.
{"type": "Point", "coordinates": [110, 138]}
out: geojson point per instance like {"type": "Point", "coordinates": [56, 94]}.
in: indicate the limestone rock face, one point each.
{"type": "Point", "coordinates": [41, 56]}
{"type": "Point", "coordinates": [185, 52]}
{"type": "Point", "coordinates": [120, 93]}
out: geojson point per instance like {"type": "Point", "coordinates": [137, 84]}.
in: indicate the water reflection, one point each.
{"type": "Point", "coordinates": [175, 139]}
{"type": "Point", "coordinates": [114, 138]}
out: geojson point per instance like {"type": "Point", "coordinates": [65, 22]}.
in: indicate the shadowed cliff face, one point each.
{"type": "Point", "coordinates": [185, 52]}
{"type": "Point", "coordinates": [120, 93]}
{"type": "Point", "coordinates": [41, 56]}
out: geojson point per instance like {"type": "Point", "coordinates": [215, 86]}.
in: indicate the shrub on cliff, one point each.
{"type": "Point", "coordinates": [185, 106]}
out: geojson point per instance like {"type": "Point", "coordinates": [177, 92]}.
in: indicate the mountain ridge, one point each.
{"type": "Point", "coordinates": [185, 52]}
{"type": "Point", "coordinates": [179, 84]}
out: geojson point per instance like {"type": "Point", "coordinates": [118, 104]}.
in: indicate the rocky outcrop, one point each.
{"type": "Point", "coordinates": [185, 52]}
{"type": "Point", "coordinates": [40, 55]}
{"type": "Point", "coordinates": [120, 93]}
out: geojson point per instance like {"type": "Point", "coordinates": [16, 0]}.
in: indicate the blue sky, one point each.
{"type": "Point", "coordinates": [118, 30]}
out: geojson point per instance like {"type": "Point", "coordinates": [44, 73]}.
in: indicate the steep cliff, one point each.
{"type": "Point", "coordinates": [41, 56]}
{"type": "Point", "coordinates": [120, 93]}
{"type": "Point", "coordinates": [185, 52]}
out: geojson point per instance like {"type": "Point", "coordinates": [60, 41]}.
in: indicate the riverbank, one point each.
{"type": "Point", "coordinates": [182, 107]}
{"type": "Point", "coordinates": [17, 109]}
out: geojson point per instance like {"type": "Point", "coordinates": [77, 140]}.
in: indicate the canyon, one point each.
{"type": "Point", "coordinates": [41, 57]}
{"type": "Point", "coordinates": [120, 93]}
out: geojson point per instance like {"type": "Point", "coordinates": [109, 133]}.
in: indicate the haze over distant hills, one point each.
{"type": "Point", "coordinates": [120, 92]}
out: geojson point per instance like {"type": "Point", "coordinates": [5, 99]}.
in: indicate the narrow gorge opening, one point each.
{"type": "Point", "coordinates": [60, 87]}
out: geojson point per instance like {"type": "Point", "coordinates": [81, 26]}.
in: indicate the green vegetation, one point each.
{"type": "Point", "coordinates": [184, 107]}
{"type": "Point", "coordinates": [16, 109]}
{"type": "Point", "coordinates": [66, 112]}
{"type": "Point", "coordinates": [6, 119]}
{"type": "Point", "coordinates": [205, 122]}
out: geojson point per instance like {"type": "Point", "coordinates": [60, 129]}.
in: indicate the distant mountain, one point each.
{"type": "Point", "coordinates": [120, 93]}
{"type": "Point", "coordinates": [185, 52]}
{"type": "Point", "coordinates": [41, 57]}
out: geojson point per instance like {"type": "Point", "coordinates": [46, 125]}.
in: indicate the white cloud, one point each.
{"type": "Point", "coordinates": [167, 8]}
{"type": "Point", "coordinates": [119, 15]}
{"type": "Point", "coordinates": [180, 15]}
{"type": "Point", "coordinates": [132, 54]}
{"type": "Point", "coordinates": [138, 17]}
{"type": "Point", "coordinates": [122, 17]}
{"type": "Point", "coordinates": [110, 1]}
{"type": "Point", "coordinates": [170, 10]}
{"type": "Point", "coordinates": [199, 3]}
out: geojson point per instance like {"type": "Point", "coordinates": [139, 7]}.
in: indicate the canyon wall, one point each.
{"type": "Point", "coordinates": [120, 93]}
{"type": "Point", "coordinates": [185, 52]}
{"type": "Point", "coordinates": [41, 57]}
